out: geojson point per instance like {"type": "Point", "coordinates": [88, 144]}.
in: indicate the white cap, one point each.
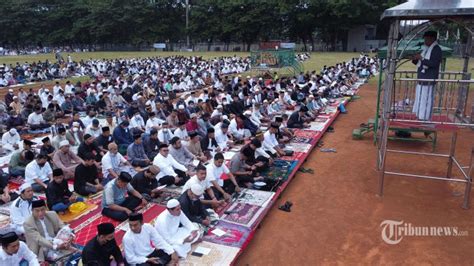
{"type": "Point", "coordinates": [260, 78]}
{"type": "Point", "coordinates": [63, 143]}
{"type": "Point", "coordinates": [46, 90]}
{"type": "Point", "coordinates": [197, 189]}
{"type": "Point", "coordinates": [181, 107]}
{"type": "Point", "coordinates": [13, 131]}
{"type": "Point", "coordinates": [265, 101]}
{"type": "Point", "coordinates": [10, 90]}
{"type": "Point", "coordinates": [248, 112]}
{"type": "Point", "coordinates": [172, 203]}
{"type": "Point", "coordinates": [219, 106]}
{"type": "Point", "coordinates": [15, 97]}
{"type": "Point", "coordinates": [248, 77]}
{"type": "Point", "coordinates": [24, 186]}
{"type": "Point", "coordinates": [225, 117]}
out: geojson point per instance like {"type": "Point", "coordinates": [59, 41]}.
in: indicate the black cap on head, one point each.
{"type": "Point", "coordinates": [153, 131]}
{"type": "Point", "coordinates": [28, 142]}
{"type": "Point", "coordinates": [163, 146]}
{"type": "Point", "coordinates": [44, 140]}
{"type": "Point", "coordinates": [257, 143]}
{"type": "Point", "coordinates": [135, 217]}
{"type": "Point", "coordinates": [8, 238]}
{"type": "Point", "coordinates": [29, 155]}
{"type": "Point", "coordinates": [105, 129]}
{"type": "Point", "coordinates": [88, 156]}
{"type": "Point", "coordinates": [61, 130]}
{"type": "Point", "coordinates": [105, 229]}
{"type": "Point", "coordinates": [58, 172]}
{"type": "Point", "coordinates": [125, 123]}
{"type": "Point", "coordinates": [247, 151]}
{"type": "Point", "coordinates": [193, 134]}
{"type": "Point", "coordinates": [137, 136]}
{"type": "Point", "coordinates": [304, 109]}
{"type": "Point", "coordinates": [38, 203]}
{"type": "Point", "coordinates": [95, 122]}
{"type": "Point", "coordinates": [174, 140]}
{"type": "Point", "coordinates": [274, 125]}
{"type": "Point", "coordinates": [125, 177]}
{"type": "Point", "coordinates": [211, 130]}
{"type": "Point", "coordinates": [430, 33]}
{"type": "Point", "coordinates": [87, 136]}
{"type": "Point", "coordinates": [278, 119]}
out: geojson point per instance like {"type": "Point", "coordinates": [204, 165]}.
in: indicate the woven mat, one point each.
{"type": "Point", "coordinates": [219, 255]}
{"type": "Point", "coordinates": [235, 236]}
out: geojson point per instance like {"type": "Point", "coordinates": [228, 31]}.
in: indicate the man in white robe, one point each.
{"type": "Point", "coordinates": [179, 237]}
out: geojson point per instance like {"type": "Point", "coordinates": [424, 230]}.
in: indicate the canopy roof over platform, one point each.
{"type": "Point", "coordinates": [411, 48]}
{"type": "Point", "coordinates": [430, 9]}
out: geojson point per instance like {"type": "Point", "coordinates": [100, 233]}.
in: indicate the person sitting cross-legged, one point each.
{"type": "Point", "coordinates": [20, 209]}
{"type": "Point", "coordinates": [146, 183]}
{"type": "Point", "coordinates": [65, 159]}
{"type": "Point", "coordinates": [171, 172]}
{"type": "Point", "coordinates": [16, 252]}
{"type": "Point", "coordinates": [115, 203]}
{"type": "Point", "coordinates": [86, 180]}
{"type": "Point", "coordinates": [173, 225]}
{"type": "Point", "coordinates": [58, 195]}
{"type": "Point", "coordinates": [144, 246]}
{"type": "Point", "coordinates": [136, 152]}
{"type": "Point", "coordinates": [100, 249]}
{"type": "Point", "coordinates": [113, 163]}
{"type": "Point", "coordinates": [192, 206]}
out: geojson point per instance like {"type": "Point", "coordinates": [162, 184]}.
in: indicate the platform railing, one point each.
{"type": "Point", "coordinates": [450, 100]}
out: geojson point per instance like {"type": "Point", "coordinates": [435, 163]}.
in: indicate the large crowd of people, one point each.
{"type": "Point", "coordinates": [142, 124]}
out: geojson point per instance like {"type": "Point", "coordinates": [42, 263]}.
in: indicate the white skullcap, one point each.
{"type": "Point", "coordinates": [181, 107]}
{"type": "Point", "coordinates": [15, 97]}
{"type": "Point", "coordinates": [46, 90]}
{"type": "Point", "coordinates": [260, 78]}
{"type": "Point", "coordinates": [219, 106]}
{"type": "Point", "coordinates": [265, 101]}
{"type": "Point", "coordinates": [13, 131]}
{"type": "Point", "coordinates": [248, 77]}
{"type": "Point", "coordinates": [24, 186]}
{"type": "Point", "coordinates": [10, 90]}
{"type": "Point", "coordinates": [248, 112]}
{"type": "Point", "coordinates": [197, 189]}
{"type": "Point", "coordinates": [172, 203]}
{"type": "Point", "coordinates": [225, 117]}
{"type": "Point", "coordinates": [63, 143]}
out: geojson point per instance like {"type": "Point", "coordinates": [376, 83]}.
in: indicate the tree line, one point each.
{"type": "Point", "coordinates": [139, 22]}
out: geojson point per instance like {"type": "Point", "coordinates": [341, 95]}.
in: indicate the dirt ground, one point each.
{"type": "Point", "coordinates": [337, 214]}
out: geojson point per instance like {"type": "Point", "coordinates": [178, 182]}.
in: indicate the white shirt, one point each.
{"type": "Point", "coordinates": [95, 132]}
{"type": "Point", "coordinates": [221, 138]}
{"type": "Point", "coordinates": [161, 135]}
{"type": "Point", "coordinates": [87, 120]}
{"type": "Point", "coordinates": [137, 122]}
{"type": "Point", "coordinates": [269, 142]}
{"type": "Point", "coordinates": [152, 123]}
{"type": "Point", "coordinates": [138, 246]}
{"type": "Point", "coordinates": [33, 171]}
{"type": "Point", "coordinates": [233, 129]}
{"type": "Point", "coordinates": [111, 162]}
{"type": "Point", "coordinates": [181, 133]}
{"type": "Point", "coordinates": [214, 173]}
{"type": "Point", "coordinates": [8, 140]}
{"type": "Point", "coordinates": [167, 226]}
{"type": "Point", "coordinates": [167, 165]}
{"type": "Point", "coordinates": [24, 253]}
{"type": "Point", "coordinates": [35, 119]}
{"type": "Point", "coordinates": [20, 210]}
{"type": "Point", "coordinates": [205, 184]}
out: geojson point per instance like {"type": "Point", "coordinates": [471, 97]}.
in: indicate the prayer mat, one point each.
{"type": "Point", "coordinates": [316, 126]}
{"type": "Point", "coordinates": [298, 147]}
{"type": "Point", "coordinates": [235, 236]}
{"type": "Point", "coordinates": [167, 194]}
{"type": "Point", "coordinates": [280, 170]}
{"type": "Point", "coordinates": [321, 119]}
{"type": "Point", "coordinates": [219, 255]}
{"type": "Point", "coordinates": [243, 214]}
{"type": "Point", "coordinates": [300, 133]}
{"type": "Point", "coordinates": [88, 229]}
{"type": "Point", "coordinates": [255, 197]}
{"type": "Point", "coordinates": [297, 139]}
{"type": "Point", "coordinates": [68, 216]}
{"type": "Point", "coordinates": [295, 157]}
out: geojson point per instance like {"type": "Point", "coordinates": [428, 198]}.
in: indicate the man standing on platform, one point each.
{"type": "Point", "coordinates": [427, 62]}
